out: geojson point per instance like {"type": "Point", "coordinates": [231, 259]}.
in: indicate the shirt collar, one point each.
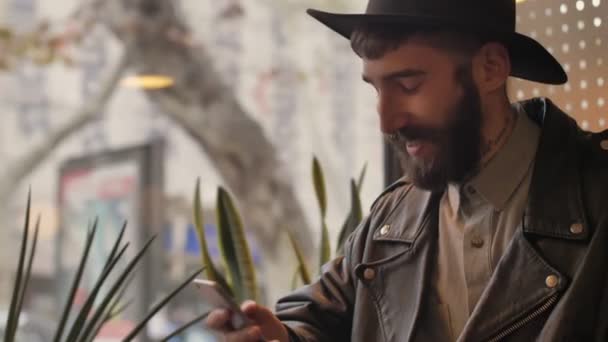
{"type": "Point", "coordinates": [497, 181]}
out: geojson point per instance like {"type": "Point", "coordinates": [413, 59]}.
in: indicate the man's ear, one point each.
{"type": "Point", "coordinates": [491, 67]}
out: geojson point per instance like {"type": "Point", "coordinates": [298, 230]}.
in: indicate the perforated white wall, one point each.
{"type": "Point", "coordinates": [576, 33]}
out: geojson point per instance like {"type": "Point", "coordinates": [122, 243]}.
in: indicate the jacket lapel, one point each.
{"type": "Point", "coordinates": [402, 259]}
{"type": "Point", "coordinates": [522, 283]}
{"type": "Point", "coordinates": [530, 275]}
{"type": "Point", "coordinates": [555, 201]}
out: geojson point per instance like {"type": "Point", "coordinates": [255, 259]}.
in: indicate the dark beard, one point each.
{"type": "Point", "coordinates": [459, 141]}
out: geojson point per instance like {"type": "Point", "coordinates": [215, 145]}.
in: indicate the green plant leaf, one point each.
{"type": "Point", "coordinates": [112, 310]}
{"type": "Point", "coordinates": [235, 248]}
{"type": "Point", "coordinates": [302, 270]}
{"type": "Point", "coordinates": [361, 177]}
{"type": "Point", "coordinates": [319, 183]}
{"type": "Point", "coordinates": [354, 216]}
{"type": "Point", "coordinates": [294, 278]}
{"type": "Point", "coordinates": [5, 33]}
{"type": "Point", "coordinates": [109, 315]}
{"type": "Point", "coordinates": [325, 254]}
{"type": "Point", "coordinates": [28, 271]}
{"type": "Point", "coordinates": [75, 283]}
{"type": "Point", "coordinates": [13, 316]}
{"type": "Point", "coordinates": [116, 308]}
{"type": "Point", "coordinates": [160, 305]}
{"type": "Point", "coordinates": [111, 293]}
{"type": "Point", "coordinates": [115, 312]}
{"type": "Point", "coordinates": [210, 269]}
{"type": "Point", "coordinates": [116, 245]}
{"type": "Point", "coordinates": [79, 328]}
{"type": "Point", "coordinates": [183, 328]}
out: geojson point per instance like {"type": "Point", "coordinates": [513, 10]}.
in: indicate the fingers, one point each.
{"type": "Point", "coordinates": [251, 334]}
{"type": "Point", "coordinates": [265, 324]}
{"type": "Point", "coordinates": [218, 320]}
{"type": "Point", "coordinates": [257, 313]}
{"type": "Point", "coordinates": [272, 328]}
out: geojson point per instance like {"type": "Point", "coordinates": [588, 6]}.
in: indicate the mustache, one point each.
{"type": "Point", "coordinates": [411, 133]}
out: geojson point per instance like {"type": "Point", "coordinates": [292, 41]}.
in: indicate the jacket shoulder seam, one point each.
{"type": "Point", "coordinates": [391, 188]}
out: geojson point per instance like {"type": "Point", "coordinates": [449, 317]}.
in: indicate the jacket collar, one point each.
{"type": "Point", "coordinates": [556, 176]}
{"type": "Point", "coordinates": [554, 209]}
{"type": "Point", "coordinates": [503, 173]}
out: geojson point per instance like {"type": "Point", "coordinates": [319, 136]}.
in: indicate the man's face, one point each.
{"type": "Point", "coordinates": [429, 110]}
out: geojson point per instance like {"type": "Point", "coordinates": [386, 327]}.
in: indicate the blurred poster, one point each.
{"type": "Point", "coordinates": [111, 188]}
{"type": "Point", "coordinates": [108, 193]}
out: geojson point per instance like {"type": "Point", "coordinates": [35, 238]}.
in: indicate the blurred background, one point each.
{"type": "Point", "coordinates": [114, 108]}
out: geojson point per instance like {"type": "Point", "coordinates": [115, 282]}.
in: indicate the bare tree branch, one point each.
{"type": "Point", "coordinates": [202, 104]}
{"type": "Point", "coordinates": [22, 167]}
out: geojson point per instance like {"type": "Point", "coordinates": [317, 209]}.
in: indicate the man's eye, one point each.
{"type": "Point", "coordinates": [409, 85]}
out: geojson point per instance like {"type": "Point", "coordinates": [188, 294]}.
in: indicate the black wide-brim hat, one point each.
{"type": "Point", "coordinates": [494, 18]}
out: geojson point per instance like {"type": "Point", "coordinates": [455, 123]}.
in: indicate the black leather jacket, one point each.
{"type": "Point", "coordinates": [550, 285]}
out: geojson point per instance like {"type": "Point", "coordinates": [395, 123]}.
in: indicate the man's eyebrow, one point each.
{"type": "Point", "coordinates": [397, 74]}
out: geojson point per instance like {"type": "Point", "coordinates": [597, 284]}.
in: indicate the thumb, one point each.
{"type": "Point", "coordinates": [258, 313]}
{"type": "Point", "coordinates": [271, 326]}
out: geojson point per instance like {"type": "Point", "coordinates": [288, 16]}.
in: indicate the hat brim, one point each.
{"type": "Point", "coordinates": [529, 59]}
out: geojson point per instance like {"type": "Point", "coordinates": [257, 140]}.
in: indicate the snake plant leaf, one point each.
{"type": "Point", "coordinates": [302, 268]}
{"type": "Point", "coordinates": [14, 313]}
{"type": "Point", "coordinates": [5, 33]}
{"type": "Point", "coordinates": [183, 328]}
{"type": "Point", "coordinates": [361, 177]}
{"type": "Point", "coordinates": [319, 183]}
{"type": "Point", "coordinates": [110, 295]}
{"type": "Point", "coordinates": [160, 305]}
{"type": "Point", "coordinates": [235, 248]}
{"type": "Point", "coordinates": [75, 284]}
{"type": "Point", "coordinates": [294, 279]}
{"type": "Point", "coordinates": [325, 254]}
{"type": "Point", "coordinates": [351, 222]}
{"type": "Point", "coordinates": [210, 269]}
{"type": "Point", "coordinates": [354, 216]}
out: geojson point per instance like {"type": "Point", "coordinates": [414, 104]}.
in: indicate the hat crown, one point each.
{"type": "Point", "coordinates": [497, 14]}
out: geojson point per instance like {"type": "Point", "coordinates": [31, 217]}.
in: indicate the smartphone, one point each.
{"type": "Point", "coordinates": [217, 298]}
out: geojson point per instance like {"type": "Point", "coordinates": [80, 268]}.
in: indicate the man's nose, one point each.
{"type": "Point", "coordinates": [392, 116]}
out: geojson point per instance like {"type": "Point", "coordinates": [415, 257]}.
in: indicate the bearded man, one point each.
{"type": "Point", "coordinates": [498, 230]}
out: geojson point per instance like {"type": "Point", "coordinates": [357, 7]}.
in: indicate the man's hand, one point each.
{"type": "Point", "coordinates": [266, 326]}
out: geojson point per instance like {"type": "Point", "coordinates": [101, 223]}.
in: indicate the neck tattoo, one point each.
{"type": "Point", "coordinates": [490, 147]}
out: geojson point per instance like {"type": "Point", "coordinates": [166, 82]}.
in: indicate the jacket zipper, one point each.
{"type": "Point", "coordinates": [526, 319]}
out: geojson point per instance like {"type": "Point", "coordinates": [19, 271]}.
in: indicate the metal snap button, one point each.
{"type": "Point", "coordinates": [577, 228]}
{"type": "Point", "coordinates": [604, 144]}
{"type": "Point", "coordinates": [552, 281]}
{"type": "Point", "coordinates": [477, 242]}
{"type": "Point", "coordinates": [385, 229]}
{"type": "Point", "coordinates": [369, 274]}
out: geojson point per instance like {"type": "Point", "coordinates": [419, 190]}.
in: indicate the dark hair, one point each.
{"type": "Point", "coordinates": [374, 41]}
